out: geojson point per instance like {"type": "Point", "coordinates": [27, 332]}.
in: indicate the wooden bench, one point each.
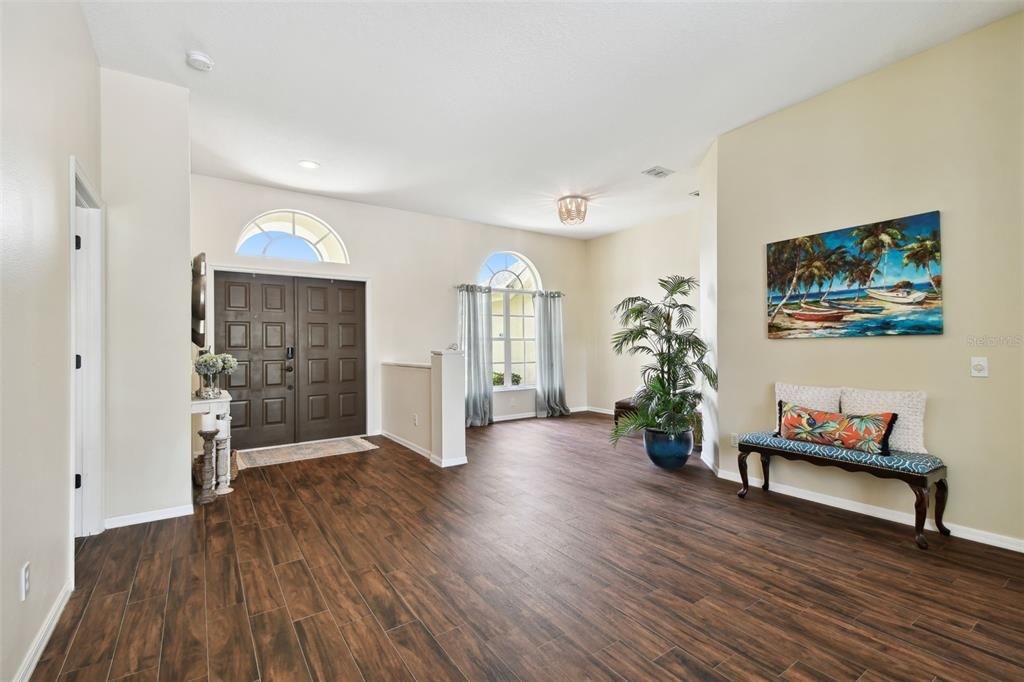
{"type": "Point", "coordinates": [919, 471]}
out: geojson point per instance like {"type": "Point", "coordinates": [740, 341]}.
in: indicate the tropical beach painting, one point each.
{"type": "Point", "coordinates": [879, 279]}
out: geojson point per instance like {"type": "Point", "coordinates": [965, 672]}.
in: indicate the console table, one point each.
{"type": "Point", "coordinates": [215, 414]}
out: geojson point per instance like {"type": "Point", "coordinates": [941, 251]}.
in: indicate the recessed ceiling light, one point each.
{"type": "Point", "coordinates": [200, 61]}
{"type": "Point", "coordinates": [307, 163]}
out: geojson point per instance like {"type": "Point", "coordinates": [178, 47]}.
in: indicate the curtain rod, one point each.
{"type": "Point", "coordinates": [514, 291]}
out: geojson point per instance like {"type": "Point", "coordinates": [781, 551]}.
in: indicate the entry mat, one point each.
{"type": "Point", "coordinates": [279, 454]}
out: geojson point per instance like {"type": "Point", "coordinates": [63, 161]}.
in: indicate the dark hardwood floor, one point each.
{"type": "Point", "coordinates": [550, 556]}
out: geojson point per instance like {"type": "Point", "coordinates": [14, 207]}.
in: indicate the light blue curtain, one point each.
{"type": "Point", "coordinates": [550, 355]}
{"type": "Point", "coordinates": [475, 342]}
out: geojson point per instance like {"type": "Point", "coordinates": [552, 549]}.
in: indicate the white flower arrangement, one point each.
{"type": "Point", "coordinates": [228, 363]}
{"type": "Point", "coordinates": [208, 364]}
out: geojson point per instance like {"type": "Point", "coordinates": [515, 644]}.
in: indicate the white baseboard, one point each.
{"type": "Point", "coordinates": [449, 463]}
{"type": "Point", "coordinates": [708, 457]}
{"type": "Point", "coordinates": [599, 410]}
{"type": "Point", "coordinates": [144, 517]}
{"type": "Point", "coordinates": [906, 518]}
{"type": "Point", "coordinates": [511, 417]}
{"type": "Point", "coordinates": [35, 650]}
{"type": "Point", "coordinates": [418, 449]}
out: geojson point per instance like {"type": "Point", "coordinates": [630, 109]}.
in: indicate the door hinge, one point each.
{"type": "Point", "coordinates": [78, 361]}
{"type": "Point", "coordinates": [78, 242]}
{"type": "Point", "coordinates": [78, 481]}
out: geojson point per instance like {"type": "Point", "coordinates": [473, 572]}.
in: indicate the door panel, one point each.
{"type": "Point", "coordinates": [332, 346]}
{"type": "Point", "coordinates": [255, 317]}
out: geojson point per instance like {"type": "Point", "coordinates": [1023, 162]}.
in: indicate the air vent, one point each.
{"type": "Point", "coordinates": [658, 172]}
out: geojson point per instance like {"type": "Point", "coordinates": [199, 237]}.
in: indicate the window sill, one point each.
{"type": "Point", "coordinates": [512, 389]}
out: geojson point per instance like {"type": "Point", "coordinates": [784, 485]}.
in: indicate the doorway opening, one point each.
{"type": "Point", "coordinates": [87, 322]}
{"type": "Point", "coordinates": [300, 343]}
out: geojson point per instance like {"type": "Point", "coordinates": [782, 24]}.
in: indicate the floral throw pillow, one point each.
{"type": "Point", "coordinates": [864, 432]}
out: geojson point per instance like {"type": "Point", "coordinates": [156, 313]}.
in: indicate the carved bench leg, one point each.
{"type": "Point", "coordinates": [941, 493]}
{"type": "Point", "coordinates": [920, 513]}
{"type": "Point", "coordinates": [765, 462]}
{"type": "Point", "coordinates": [743, 474]}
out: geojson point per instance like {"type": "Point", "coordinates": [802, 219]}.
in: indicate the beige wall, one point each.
{"type": "Point", "coordinates": [406, 404]}
{"type": "Point", "coordinates": [624, 264]}
{"type": "Point", "coordinates": [412, 260]}
{"type": "Point", "coordinates": [50, 111]}
{"type": "Point", "coordinates": [146, 189]}
{"type": "Point", "coordinates": [519, 404]}
{"type": "Point", "coordinates": [941, 130]}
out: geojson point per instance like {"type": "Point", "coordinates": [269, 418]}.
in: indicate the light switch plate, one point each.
{"type": "Point", "coordinates": [979, 366]}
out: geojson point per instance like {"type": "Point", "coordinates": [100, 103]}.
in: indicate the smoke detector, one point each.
{"type": "Point", "coordinates": [200, 61]}
{"type": "Point", "coordinates": [658, 172]}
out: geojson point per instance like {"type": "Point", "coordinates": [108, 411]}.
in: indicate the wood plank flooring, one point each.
{"type": "Point", "coordinates": [550, 556]}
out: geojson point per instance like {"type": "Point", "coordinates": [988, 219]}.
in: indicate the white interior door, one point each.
{"type": "Point", "coordinates": [88, 413]}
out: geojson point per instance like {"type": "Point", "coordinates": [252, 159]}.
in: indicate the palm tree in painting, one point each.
{"type": "Point", "coordinates": [837, 261]}
{"type": "Point", "coordinates": [922, 252]}
{"type": "Point", "coordinates": [782, 259]}
{"type": "Point", "coordinates": [859, 273]}
{"type": "Point", "coordinates": [786, 263]}
{"type": "Point", "coordinates": [875, 240]}
{"type": "Point", "coordinates": [815, 272]}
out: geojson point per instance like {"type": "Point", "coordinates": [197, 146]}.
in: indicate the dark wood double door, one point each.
{"type": "Point", "coordinates": [301, 349]}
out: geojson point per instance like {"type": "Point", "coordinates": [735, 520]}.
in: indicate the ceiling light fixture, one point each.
{"type": "Point", "coordinates": [307, 163]}
{"type": "Point", "coordinates": [200, 61]}
{"type": "Point", "coordinates": [572, 210]}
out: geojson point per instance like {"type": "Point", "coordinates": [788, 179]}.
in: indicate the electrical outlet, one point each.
{"type": "Point", "coordinates": [734, 438]}
{"type": "Point", "coordinates": [26, 580]}
{"type": "Point", "coordinates": [415, 420]}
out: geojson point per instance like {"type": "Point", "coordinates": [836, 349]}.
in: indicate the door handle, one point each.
{"type": "Point", "coordinates": [289, 368]}
{"type": "Point", "coordinates": [289, 353]}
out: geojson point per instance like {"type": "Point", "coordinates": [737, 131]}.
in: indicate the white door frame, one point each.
{"type": "Point", "coordinates": [87, 326]}
{"type": "Point", "coordinates": [372, 400]}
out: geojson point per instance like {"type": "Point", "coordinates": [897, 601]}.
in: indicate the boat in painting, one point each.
{"type": "Point", "coordinates": [809, 314]}
{"type": "Point", "coordinates": [902, 296]}
{"type": "Point", "coordinates": [877, 279]}
{"type": "Point", "coordinates": [857, 308]}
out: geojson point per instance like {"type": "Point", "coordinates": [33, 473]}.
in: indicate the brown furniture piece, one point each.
{"type": "Point", "coordinates": [920, 483]}
{"type": "Point", "coordinates": [623, 407]}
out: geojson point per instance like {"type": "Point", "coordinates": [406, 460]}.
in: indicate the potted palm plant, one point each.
{"type": "Point", "coordinates": [668, 402]}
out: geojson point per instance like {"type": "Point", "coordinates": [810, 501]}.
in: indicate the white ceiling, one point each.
{"type": "Point", "coordinates": [489, 111]}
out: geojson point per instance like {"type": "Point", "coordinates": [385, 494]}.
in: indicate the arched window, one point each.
{"type": "Point", "coordinates": [512, 279]}
{"type": "Point", "coordinates": [293, 235]}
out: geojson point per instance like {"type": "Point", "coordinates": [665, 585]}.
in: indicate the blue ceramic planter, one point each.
{"type": "Point", "coordinates": [668, 451]}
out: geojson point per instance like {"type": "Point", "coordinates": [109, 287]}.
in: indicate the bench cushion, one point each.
{"type": "Point", "coordinates": [907, 462]}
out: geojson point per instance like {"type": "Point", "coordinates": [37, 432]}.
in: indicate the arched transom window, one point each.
{"type": "Point", "coordinates": [293, 235]}
{"type": "Point", "coordinates": [509, 271]}
{"type": "Point", "coordinates": [513, 280]}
